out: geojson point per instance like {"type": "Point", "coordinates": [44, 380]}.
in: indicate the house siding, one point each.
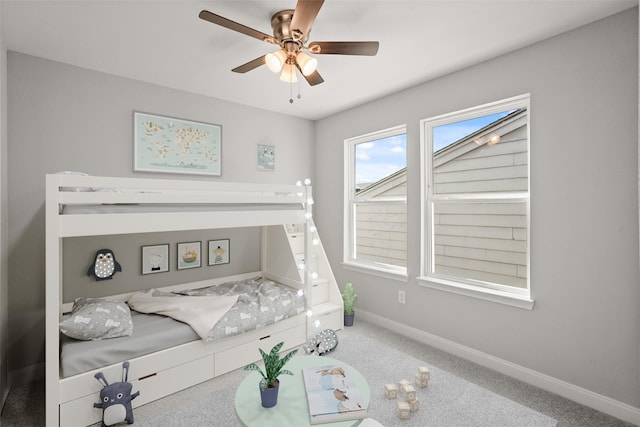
{"type": "Point", "coordinates": [483, 240]}
{"type": "Point", "coordinates": [381, 221]}
{"type": "Point", "coordinates": [381, 233]}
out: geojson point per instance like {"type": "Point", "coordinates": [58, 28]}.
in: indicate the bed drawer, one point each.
{"type": "Point", "coordinates": [80, 412]}
{"type": "Point", "coordinates": [319, 291]}
{"type": "Point", "coordinates": [155, 386]}
{"type": "Point", "coordinates": [243, 354]}
{"type": "Point", "coordinates": [331, 320]}
{"type": "Point", "coordinates": [313, 265]}
{"type": "Point", "coordinates": [297, 243]}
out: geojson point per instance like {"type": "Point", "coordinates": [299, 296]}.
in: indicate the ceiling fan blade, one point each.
{"type": "Point", "coordinates": [304, 15]}
{"type": "Point", "coordinates": [250, 65]}
{"type": "Point", "coordinates": [232, 25]}
{"type": "Point", "coordinates": [344, 48]}
{"type": "Point", "coordinates": [313, 79]}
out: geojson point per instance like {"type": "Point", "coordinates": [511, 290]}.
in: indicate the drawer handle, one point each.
{"type": "Point", "coordinates": [265, 337]}
{"type": "Point", "coordinates": [147, 376]}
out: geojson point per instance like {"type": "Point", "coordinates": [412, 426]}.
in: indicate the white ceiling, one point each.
{"type": "Point", "coordinates": [164, 42]}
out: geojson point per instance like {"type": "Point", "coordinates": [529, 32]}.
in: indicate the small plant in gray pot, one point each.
{"type": "Point", "coordinates": [349, 298]}
{"type": "Point", "coordinates": [273, 368]}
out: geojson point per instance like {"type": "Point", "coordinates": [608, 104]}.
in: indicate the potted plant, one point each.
{"type": "Point", "coordinates": [273, 368]}
{"type": "Point", "coordinates": [349, 298]}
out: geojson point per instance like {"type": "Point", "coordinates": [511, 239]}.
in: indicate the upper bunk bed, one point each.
{"type": "Point", "coordinates": [124, 205]}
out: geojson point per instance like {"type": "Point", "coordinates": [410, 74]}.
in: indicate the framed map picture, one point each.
{"type": "Point", "coordinates": [169, 145]}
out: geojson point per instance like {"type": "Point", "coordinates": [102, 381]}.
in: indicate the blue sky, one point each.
{"type": "Point", "coordinates": [447, 134]}
{"type": "Point", "coordinates": [380, 158]}
{"type": "Point", "coordinates": [383, 157]}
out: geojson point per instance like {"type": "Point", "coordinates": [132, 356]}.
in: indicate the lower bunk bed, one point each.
{"type": "Point", "coordinates": [167, 355]}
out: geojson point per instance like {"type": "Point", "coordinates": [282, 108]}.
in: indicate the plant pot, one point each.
{"type": "Point", "coordinates": [269, 396]}
{"type": "Point", "coordinates": [348, 319]}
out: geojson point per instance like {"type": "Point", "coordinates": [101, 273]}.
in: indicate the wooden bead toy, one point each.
{"type": "Point", "coordinates": [409, 393]}
{"type": "Point", "coordinates": [404, 410]}
{"type": "Point", "coordinates": [391, 391]}
{"type": "Point", "coordinates": [420, 382]}
{"type": "Point", "coordinates": [424, 373]}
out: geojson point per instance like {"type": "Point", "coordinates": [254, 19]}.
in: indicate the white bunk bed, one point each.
{"type": "Point", "coordinates": [76, 204]}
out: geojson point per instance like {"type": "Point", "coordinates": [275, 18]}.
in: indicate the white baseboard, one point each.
{"type": "Point", "coordinates": [26, 375]}
{"type": "Point", "coordinates": [562, 388]}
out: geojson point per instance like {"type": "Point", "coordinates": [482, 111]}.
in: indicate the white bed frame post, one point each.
{"type": "Point", "coordinates": [53, 299]}
{"type": "Point", "coordinates": [308, 280]}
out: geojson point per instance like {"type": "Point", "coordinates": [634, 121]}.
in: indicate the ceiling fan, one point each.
{"type": "Point", "coordinates": [291, 30]}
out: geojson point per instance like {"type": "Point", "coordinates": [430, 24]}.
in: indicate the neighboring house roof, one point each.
{"type": "Point", "coordinates": [452, 151]}
{"type": "Point", "coordinates": [478, 138]}
{"type": "Point", "coordinates": [378, 188]}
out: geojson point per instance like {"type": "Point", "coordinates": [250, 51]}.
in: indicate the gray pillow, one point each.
{"type": "Point", "coordinates": [96, 318]}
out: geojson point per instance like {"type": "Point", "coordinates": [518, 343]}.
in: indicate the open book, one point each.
{"type": "Point", "coordinates": [332, 394]}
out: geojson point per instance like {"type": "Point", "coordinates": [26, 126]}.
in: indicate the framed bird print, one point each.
{"type": "Point", "coordinates": [189, 255]}
{"type": "Point", "coordinates": [171, 145]}
{"type": "Point", "coordinates": [155, 259]}
{"type": "Point", "coordinates": [218, 252]}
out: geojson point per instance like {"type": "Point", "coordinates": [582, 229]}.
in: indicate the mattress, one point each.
{"type": "Point", "coordinates": [151, 332]}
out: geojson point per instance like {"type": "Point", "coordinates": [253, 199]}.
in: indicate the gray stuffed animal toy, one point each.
{"type": "Point", "coordinates": [115, 399]}
{"type": "Point", "coordinates": [323, 342]}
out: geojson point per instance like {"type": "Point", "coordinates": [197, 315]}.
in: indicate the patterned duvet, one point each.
{"type": "Point", "coordinates": [261, 302]}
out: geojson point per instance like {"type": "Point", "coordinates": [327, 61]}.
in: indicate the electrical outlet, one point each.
{"type": "Point", "coordinates": [401, 297]}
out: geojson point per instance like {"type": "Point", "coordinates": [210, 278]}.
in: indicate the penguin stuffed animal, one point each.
{"type": "Point", "coordinates": [105, 265]}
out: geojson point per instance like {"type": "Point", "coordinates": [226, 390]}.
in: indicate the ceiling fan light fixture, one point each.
{"type": "Point", "coordinates": [289, 74]}
{"type": "Point", "coordinates": [291, 28]}
{"type": "Point", "coordinates": [275, 60]}
{"type": "Point", "coordinates": [308, 64]}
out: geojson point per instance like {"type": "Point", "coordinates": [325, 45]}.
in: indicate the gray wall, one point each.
{"type": "Point", "coordinates": [4, 300]}
{"type": "Point", "coordinates": [79, 254]}
{"type": "Point", "coordinates": [67, 118]}
{"type": "Point", "coordinates": [584, 208]}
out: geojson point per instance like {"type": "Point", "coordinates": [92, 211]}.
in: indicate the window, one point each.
{"type": "Point", "coordinates": [376, 202]}
{"type": "Point", "coordinates": [476, 202]}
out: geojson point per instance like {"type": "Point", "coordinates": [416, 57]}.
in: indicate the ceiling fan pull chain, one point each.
{"type": "Point", "coordinates": [291, 92]}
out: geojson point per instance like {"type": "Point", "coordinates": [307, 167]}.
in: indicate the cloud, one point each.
{"type": "Point", "coordinates": [366, 145]}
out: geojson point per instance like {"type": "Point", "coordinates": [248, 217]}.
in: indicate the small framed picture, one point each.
{"type": "Point", "coordinates": [155, 259]}
{"type": "Point", "coordinates": [189, 255]}
{"type": "Point", "coordinates": [219, 252]}
{"type": "Point", "coordinates": [266, 157]}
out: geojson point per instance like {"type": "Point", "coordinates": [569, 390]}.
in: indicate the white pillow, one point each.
{"type": "Point", "coordinates": [96, 318]}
